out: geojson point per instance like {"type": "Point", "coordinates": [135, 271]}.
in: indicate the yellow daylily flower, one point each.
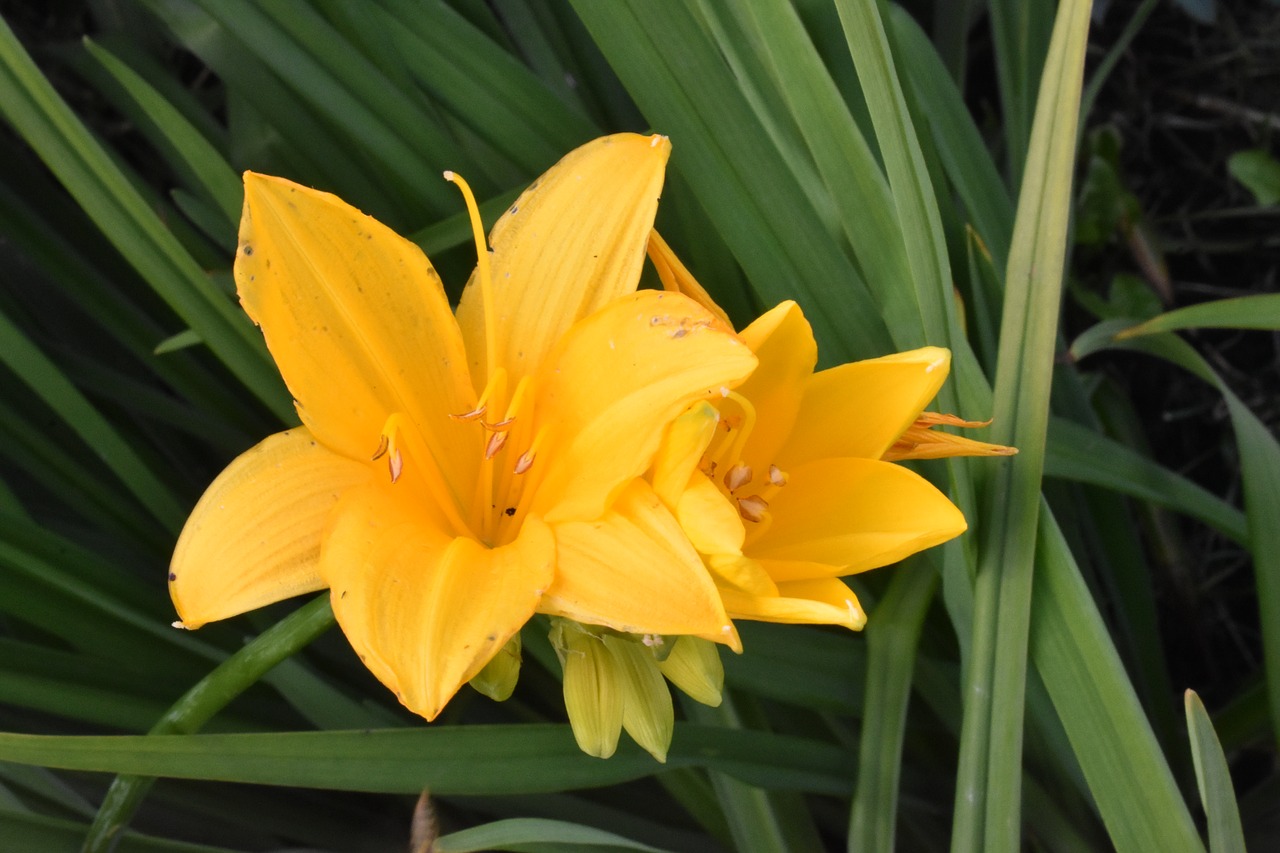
{"type": "Point", "coordinates": [454, 475]}
{"type": "Point", "coordinates": [783, 484]}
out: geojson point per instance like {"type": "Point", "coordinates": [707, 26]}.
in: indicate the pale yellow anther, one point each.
{"type": "Point", "coordinates": [753, 508]}
{"type": "Point", "coordinates": [738, 476]}
{"type": "Point", "coordinates": [494, 444]}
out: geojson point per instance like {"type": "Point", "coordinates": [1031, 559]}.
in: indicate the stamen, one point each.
{"type": "Point", "coordinates": [524, 463]}
{"type": "Point", "coordinates": [777, 476]}
{"type": "Point", "coordinates": [383, 444]}
{"type": "Point", "coordinates": [494, 444]}
{"type": "Point", "coordinates": [477, 412]}
{"type": "Point", "coordinates": [753, 508]}
{"type": "Point", "coordinates": [395, 464]}
{"type": "Point", "coordinates": [738, 476]}
{"type": "Point", "coordinates": [482, 270]}
{"type": "Point", "coordinates": [500, 426]}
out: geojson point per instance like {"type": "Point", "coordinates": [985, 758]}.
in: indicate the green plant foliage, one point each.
{"type": "Point", "coordinates": [1012, 689]}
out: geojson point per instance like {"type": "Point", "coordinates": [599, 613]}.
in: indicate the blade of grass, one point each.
{"type": "Point", "coordinates": [1077, 453]}
{"type": "Point", "coordinates": [673, 70]}
{"type": "Point", "coordinates": [1244, 312]}
{"type": "Point", "coordinates": [29, 102]}
{"type": "Point", "coordinates": [987, 807]}
{"type": "Point", "coordinates": [1213, 778]}
{"type": "Point", "coordinates": [44, 377]}
{"type": "Point", "coordinates": [476, 759]}
{"type": "Point", "coordinates": [199, 704]}
{"type": "Point", "coordinates": [1131, 784]}
{"type": "Point", "coordinates": [201, 165]}
{"type": "Point", "coordinates": [1260, 468]}
{"type": "Point", "coordinates": [1020, 36]}
{"type": "Point", "coordinates": [893, 637]}
{"type": "Point", "coordinates": [848, 167]}
{"type": "Point", "coordinates": [534, 835]}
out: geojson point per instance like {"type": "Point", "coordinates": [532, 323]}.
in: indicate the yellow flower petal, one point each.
{"type": "Point", "coordinates": [572, 243]}
{"type": "Point", "coordinates": [783, 341]}
{"type": "Point", "coordinates": [426, 611]}
{"type": "Point", "coordinates": [606, 395]}
{"type": "Point", "coordinates": [710, 521]}
{"type": "Point", "coordinates": [855, 513]}
{"type": "Point", "coordinates": [592, 693]}
{"type": "Point", "coordinates": [741, 573]}
{"type": "Point", "coordinates": [681, 451]}
{"type": "Point", "coordinates": [819, 602]}
{"type": "Point", "coordinates": [647, 714]}
{"type": "Point", "coordinates": [860, 409]}
{"type": "Point", "coordinates": [694, 666]}
{"type": "Point", "coordinates": [676, 277]}
{"type": "Point", "coordinates": [254, 537]}
{"type": "Point", "coordinates": [634, 571]}
{"type": "Point", "coordinates": [357, 322]}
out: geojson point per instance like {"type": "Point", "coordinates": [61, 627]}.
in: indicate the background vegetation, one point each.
{"type": "Point", "coordinates": [934, 173]}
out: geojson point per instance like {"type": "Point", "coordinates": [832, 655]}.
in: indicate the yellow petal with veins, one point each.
{"type": "Point", "coordinates": [860, 409]}
{"type": "Point", "coordinates": [607, 393]}
{"type": "Point", "coordinates": [356, 320]}
{"type": "Point", "coordinates": [694, 666]}
{"type": "Point", "coordinates": [818, 602]}
{"type": "Point", "coordinates": [426, 611]}
{"type": "Point", "coordinates": [711, 522]}
{"type": "Point", "coordinates": [783, 341]}
{"type": "Point", "coordinates": [634, 571]}
{"type": "Point", "coordinates": [254, 537]}
{"type": "Point", "coordinates": [681, 451]}
{"type": "Point", "coordinates": [592, 693]}
{"type": "Point", "coordinates": [854, 513]}
{"type": "Point", "coordinates": [572, 243]}
{"type": "Point", "coordinates": [647, 714]}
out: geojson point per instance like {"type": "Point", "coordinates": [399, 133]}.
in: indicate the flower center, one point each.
{"type": "Point", "coordinates": [725, 462]}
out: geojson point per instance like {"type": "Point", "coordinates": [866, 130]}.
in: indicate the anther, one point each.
{"type": "Point", "coordinates": [777, 476]}
{"type": "Point", "coordinates": [753, 508]}
{"type": "Point", "coordinates": [738, 476]}
{"type": "Point", "coordinates": [500, 426]}
{"type": "Point", "coordinates": [383, 444]}
{"type": "Point", "coordinates": [494, 444]}
{"type": "Point", "coordinates": [477, 412]}
{"type": "Point", "coordinates": [524, 463]}
{"type": "Point", "coordinates": [395, 464]}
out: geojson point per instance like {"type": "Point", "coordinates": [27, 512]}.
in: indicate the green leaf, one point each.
{"type": "Point", "coordinates": [1076, 453]}
{"type": "Point", "coordinates": [1213, 778]}
{"type": "Point", "coordinates": [1259, 172]}
{"type": "Point", "coordinates": [90, 174]}
{"type": "Point", "coordinates": [987, 807]}
{"type": "Point", "coordinates": [673, 68]}
{"type": "Point", "coordinates": [182, 340]}
{"type": "Point", "coordinates": [1260, 468]}
{"type": "Point", "coordinates": [1244, 312]}
{"type": "Point", "coordinates": [187, 149]}
{"type": "Point", "coordinates": [199, 704]}
{"type": "Point", "coordinates": [54, 835]}
{"type": "Point", "coordinates": [479, 759]}
{"type": "Point", "coordinates": [43, 377]}
{"type": "Point", "coordinates": [893, 637]}
{"type": "Point", "coordinates": [1131, 784]}
{"type": "Point", "coordinates": [533, 835]}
